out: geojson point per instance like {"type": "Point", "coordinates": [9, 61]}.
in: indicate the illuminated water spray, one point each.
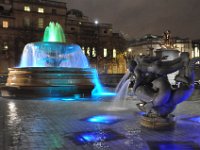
{"type": "Point", "coordinates": [54, 33]}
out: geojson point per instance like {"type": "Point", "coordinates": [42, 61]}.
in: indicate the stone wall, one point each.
{"type": "Point", "coordinates": [110, 80]}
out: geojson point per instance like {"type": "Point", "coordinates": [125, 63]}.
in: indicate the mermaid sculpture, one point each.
{"type": "Point", "coordinates": [152, 87]}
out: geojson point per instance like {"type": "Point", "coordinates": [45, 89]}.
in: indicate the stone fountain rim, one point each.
{"type": "Point", "coordinates": [60, 69]}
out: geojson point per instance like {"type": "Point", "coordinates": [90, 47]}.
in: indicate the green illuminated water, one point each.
{"type": "Point", "coordinates": [54, 33]}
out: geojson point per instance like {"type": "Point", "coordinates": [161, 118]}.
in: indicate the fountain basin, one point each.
{"type": "Point", "coordinates": [48, 82]}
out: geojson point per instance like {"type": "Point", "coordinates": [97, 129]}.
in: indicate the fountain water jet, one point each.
{"type": "Point", "coordinates": [52, 69]}
{"type": "Point", "coordinates": [123, 91]}
{"type": "Point", "coordinates": [54, 33]}
{"type": "Point", "coordinates": [122, 81]}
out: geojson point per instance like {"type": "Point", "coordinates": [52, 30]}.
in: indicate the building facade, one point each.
{"type": "Point", "coordinates": [102, 47]}
{"type": "Point", "coordinates": [23, 21]}
{"type": "Point", "coordinates": [148, 44]}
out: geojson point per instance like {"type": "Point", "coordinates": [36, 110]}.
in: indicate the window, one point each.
{"type": "Point", "coordinates": [83, 49]}
{"type": "Point", "coordinates": [114, 53]}
{"type": "Point", "coordinates": [27, 22]}
{"type": "Point", "coordinates": [40, 23]}
{"type": "Point", "coordinates": [94, 54]}
{"type": "Point", "coordinates": [27, 8]}
{"type": "Point", "coordinates": [88, 51]}
{"type": "Point", "coordinates": [193, 54]}
{"type": "Point", "coordinates": [54, 11]}
{"type": "Point", "coordinates": [72, 28]}
{"type": "Point", "coordinates": [5, 46]}
{"type": "Point", "coordinates": [7, 2]}
{"type": "Point", "coordinates": [5, 24]}
{"type": "Point", "coordinates": [40, 10]}
{"type": "Point", "coordinates": [196, 52]}
{"type": "Point", "coordinates": [105, 52]}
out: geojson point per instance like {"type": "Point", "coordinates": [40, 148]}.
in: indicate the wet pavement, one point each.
{"type": "Point", "coordinates": [64, 124]}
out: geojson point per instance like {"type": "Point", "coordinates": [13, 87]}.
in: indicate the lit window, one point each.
{"type": "Point", "coordinates": [83, 49]}
{"type": "Point", "coordinates": [196, 52]}
{"type": "Point", "coordinates": [105, 52]}
{"type": "Point", "coordinates": [40, 10]}
{"type": "Point", "coordinates": [27, 8]}
{"type": "Point", "coordinates": [40, 23]}
{"type": "Point", "coordinates": [5, 24]}
{"type": "Point", "coordinates": [88, 51]}
{"type": "Point", "coordinates": [94, 54]}
{"type": "Point", "coordinates": [5, 46]}
{"type": "Point", "coordinates": [114, 53]}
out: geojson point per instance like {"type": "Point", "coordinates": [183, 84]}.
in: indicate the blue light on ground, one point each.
{"type": "Point", "coordinates": [166, 145]}
{"type": "Point", "coordinates": [104, 119]}
{"type": "Point", "coordinates": [141, 113]}
{"type": "Point", "coordinates": [59, 99]}
{"type": "Point", "coordinates": [68, 99]}
{"type": "Point", "coordinates": [194, 119]}
{"type": "Point", "coordinates": [95, 136]}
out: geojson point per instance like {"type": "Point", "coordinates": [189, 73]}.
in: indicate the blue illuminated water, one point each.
{"type": "Point", "coordinates": [49, 54]}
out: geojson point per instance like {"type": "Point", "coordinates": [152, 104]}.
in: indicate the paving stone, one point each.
{"type": "Point", "coordinates": [44, 124]}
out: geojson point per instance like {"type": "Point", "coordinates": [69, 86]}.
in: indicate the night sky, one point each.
{"type": "Point", "coordinates": [139, 17]}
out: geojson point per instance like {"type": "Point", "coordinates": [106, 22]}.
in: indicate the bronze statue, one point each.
{"type": "Point", "coordinates": [167, 37]}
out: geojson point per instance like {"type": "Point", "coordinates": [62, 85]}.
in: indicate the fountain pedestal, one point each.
{"type": "Point", "coordinates": [48, 82]}
{"type": "Point", "coordinates": [158, 123]}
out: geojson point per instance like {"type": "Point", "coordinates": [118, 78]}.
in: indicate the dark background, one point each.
{"type": "Point", "coordinates": [136, 18]}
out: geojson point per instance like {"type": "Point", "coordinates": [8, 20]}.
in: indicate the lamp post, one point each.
{"type": "Point", "coordinates": [98, 58]}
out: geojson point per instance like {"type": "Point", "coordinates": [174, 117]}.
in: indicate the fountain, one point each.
{"type": "Point", "coordinates": [52, 69]}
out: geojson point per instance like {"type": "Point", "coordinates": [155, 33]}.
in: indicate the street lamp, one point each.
{"type": "Point", "coordinates": [129, 50]}
{"type": "Point", "coordinates": [96, 22]}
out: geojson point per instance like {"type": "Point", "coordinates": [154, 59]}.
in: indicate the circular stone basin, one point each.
{"type": "Point", "coordinates": [48, 81]}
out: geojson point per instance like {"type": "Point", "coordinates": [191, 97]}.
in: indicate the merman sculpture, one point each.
{"type": "Point", "coordinates": [152, 87]}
